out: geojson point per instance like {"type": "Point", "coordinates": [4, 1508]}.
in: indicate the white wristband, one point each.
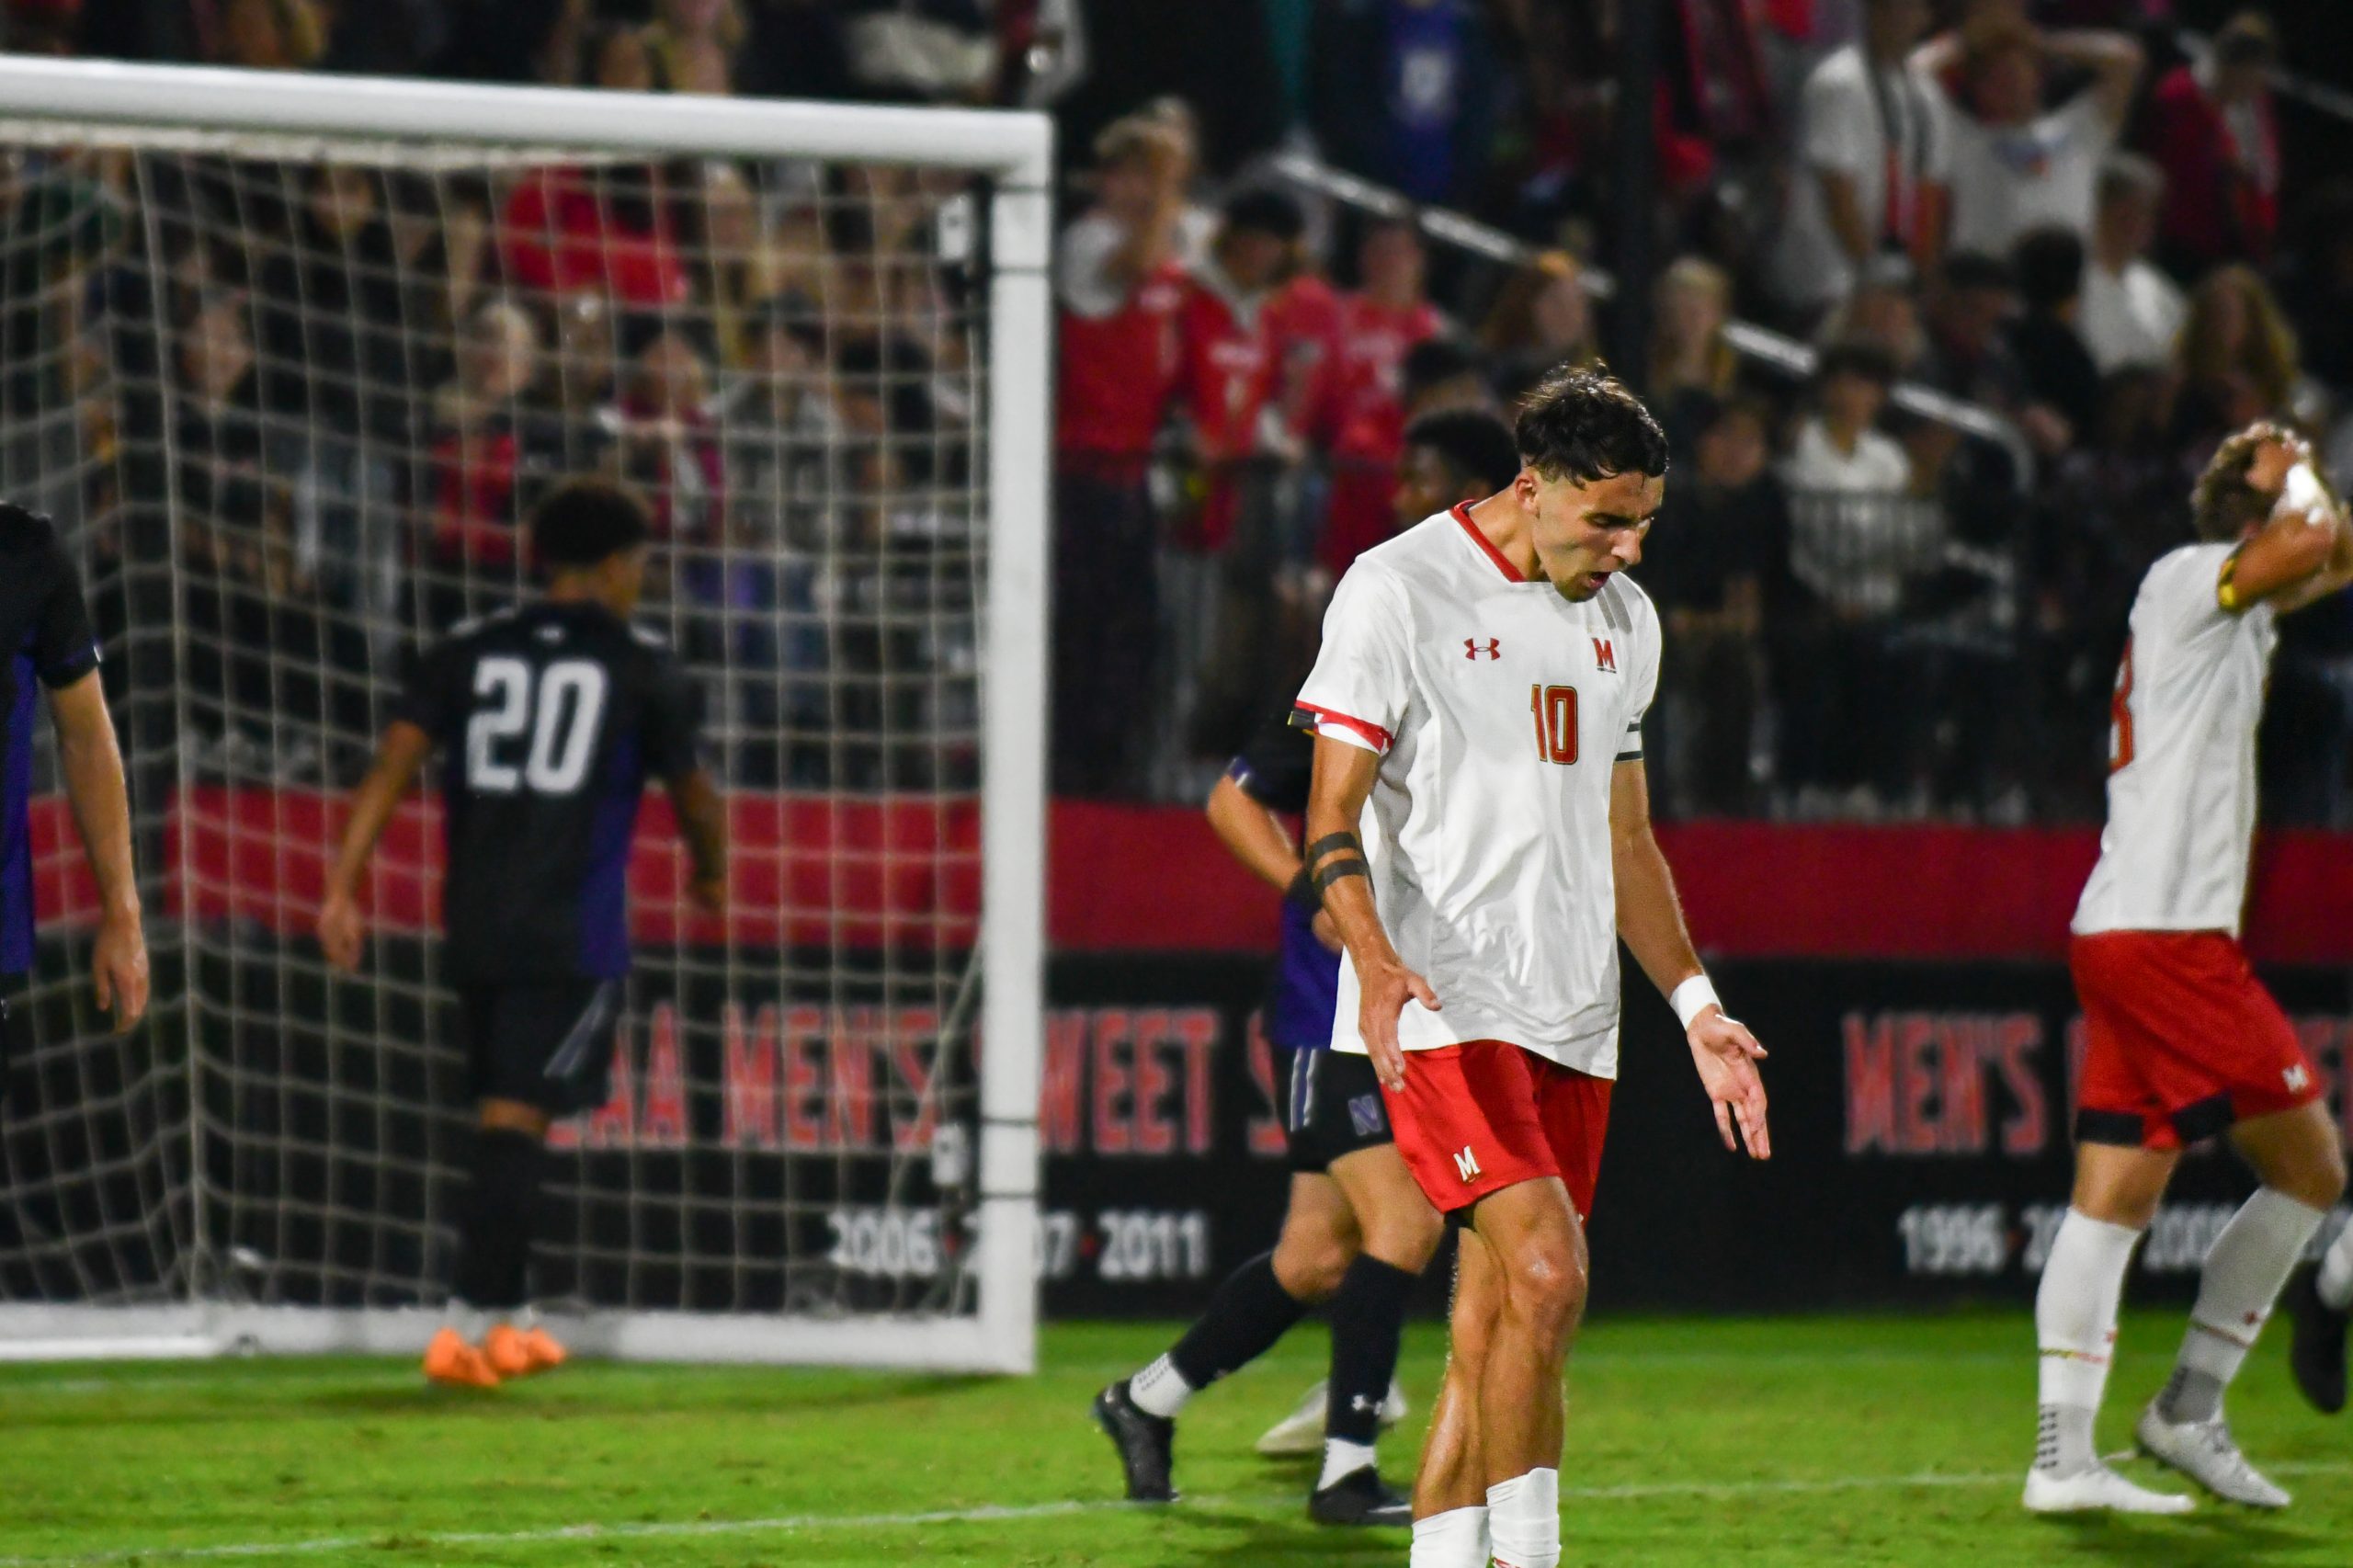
{"type": "Point", "coordinates": [1691, 998]}
{"type": "Point", "coordinates": [2303, 493]}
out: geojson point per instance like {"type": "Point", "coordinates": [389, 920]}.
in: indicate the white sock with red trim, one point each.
{"type": "Point", "coordinates": [2336, 1281]}
{"type": "Point", "coordinates": [1524, 1518]}
{"type": "Point", "coordinates": [2074, 1327]}
{"type": "Point", "coordinates": [1456, 1539]}
{"type": "Point", "coordinates": [2244, 1269]}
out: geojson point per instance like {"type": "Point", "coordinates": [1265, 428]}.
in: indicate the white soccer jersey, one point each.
{"type": "Point", "coordinates": [1499, 709]}
{"type": "Point", "coordinates": [2181, 761]}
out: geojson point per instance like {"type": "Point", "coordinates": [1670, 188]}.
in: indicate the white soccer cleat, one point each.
{"type": "Point", "coordinates": [2094, 1489]}
{"type": "Point", "coordinates": [1301, 1433]}
{"type": "Point", "coordinates": [2204, 1451]}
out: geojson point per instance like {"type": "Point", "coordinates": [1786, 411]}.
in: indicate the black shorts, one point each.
{"type": "Point", "coordinates": [549, 1044]}
{"type": "Point", "coordinates": [1331, 1106]}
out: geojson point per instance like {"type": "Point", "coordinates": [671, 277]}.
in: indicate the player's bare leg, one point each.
{"type": "Point", "coordinates": [2297, 1154]}
{"type": "Point", "coordinates": [2117, 1191]}
{"type": "Point", "coordinates": [1541, 1266]}
{"type": "Point", "coordinates": [1451, 1489]}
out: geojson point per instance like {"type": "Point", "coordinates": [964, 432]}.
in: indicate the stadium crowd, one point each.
{"type": "Point", "coordinates": [344, 382]}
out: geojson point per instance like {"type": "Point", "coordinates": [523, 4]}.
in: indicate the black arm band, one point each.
{"type": "Point", "coordinates": [1331, 841]}
{"type": "Point", "coordinates": [1303, 892]}
{"type": "Point", "coordinates": [1338, 869]}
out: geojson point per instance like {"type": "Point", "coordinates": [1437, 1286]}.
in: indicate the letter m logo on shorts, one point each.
{"type": "Point", "coordinates": [1605, 656]}
{"type": "Point", "coordinates": [1468, 1163]}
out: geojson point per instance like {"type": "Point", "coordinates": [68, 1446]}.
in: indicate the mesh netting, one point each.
{"type": "Point", "coordinates": [287, 402]}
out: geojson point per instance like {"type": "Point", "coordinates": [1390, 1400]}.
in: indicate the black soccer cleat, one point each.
{"type": "Point", "coordinates": [2317, 1354]}
{"type": "Point", "coordinates": [1360, 1498]}
{"type": "Point", "coordinates": [1146, 1443]}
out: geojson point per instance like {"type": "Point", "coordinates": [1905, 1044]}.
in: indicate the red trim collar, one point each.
{"type": "Point", "coordinates": [1461, 512]}
{"type": "Point", "coordinates": [1380, 737]}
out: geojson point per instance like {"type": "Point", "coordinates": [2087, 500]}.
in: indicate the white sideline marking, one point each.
{"type": "Point", "coordinates": [659, 1529]}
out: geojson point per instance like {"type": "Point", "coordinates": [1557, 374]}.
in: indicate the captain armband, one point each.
{"type": "Point", "coordinates": [2226, 586]}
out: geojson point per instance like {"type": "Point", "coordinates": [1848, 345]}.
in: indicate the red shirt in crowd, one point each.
{"type": "Point", "coordinates": [2222, 195]}
{"type": "Point", "coordinates": [1118, 349]}
{"type": "Point", "coordinates": [559, 232]}
{"type": "Point", "coordinates": [1365, 421]}
{"type": "Point", "coordinates": [1229, 373]}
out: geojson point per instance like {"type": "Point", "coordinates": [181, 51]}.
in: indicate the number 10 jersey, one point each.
{"type": "Point", "coordinates": [1500, 710]}
{"type": "Point", "coordinates": [550, 717]}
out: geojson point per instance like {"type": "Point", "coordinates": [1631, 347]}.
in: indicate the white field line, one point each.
{"type": "Point", "coordinates": [801, 1523]}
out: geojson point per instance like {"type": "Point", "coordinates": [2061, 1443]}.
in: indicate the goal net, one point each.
{"type": "Point", "coordinates": [288, 359]}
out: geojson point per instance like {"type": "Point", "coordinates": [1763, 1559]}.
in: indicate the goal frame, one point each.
{"type": "Point", "coordinates": [1015, 152]}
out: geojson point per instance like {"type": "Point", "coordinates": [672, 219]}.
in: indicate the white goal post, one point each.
{"type": "Point", "coordinates": [169, 1195]}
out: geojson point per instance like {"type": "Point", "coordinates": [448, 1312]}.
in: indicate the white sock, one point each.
{"type": "Point", "coordinates": [2244, 1269]}
{"type": "Point", "coordinates": [1343, 1457]}
{"type": "Point", "coordinates": [1159, 1389]}
{"type": "Point", "coordinates": [1456, 1539]}
{"type": "Point", "coordinates": [2075, 1327]}
{"type": "Point", "coordinates": [2336, 1281]}
{"type": "Point", "coordinates": [1524, 1515]}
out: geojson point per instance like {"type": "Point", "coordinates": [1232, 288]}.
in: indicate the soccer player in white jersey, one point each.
{"type": "Point", "coordinates": [2184, 1043]}
{"type": "Point", "coordinates": [1479, 826]}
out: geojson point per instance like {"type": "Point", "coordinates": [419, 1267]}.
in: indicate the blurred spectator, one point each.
{"type": "Point", "coordinates": [618, 58]}
{"type": "Point", "coordinates": [490, 446]}
{"type": "Point", "coordinates": [1874, 153]}
{"type": "Point", "coordinates": [603, 228]}
{"type": "Point", "coordinates": [1722, 532]}
{"type": "Point", "coordinates": [1121, 286]}
{"type": "Point", "coordinates": [1691, 366]}
{"type": "Point", "coordinates": [694, 44]}
{"type": "Point", "coordinates": [2131, 310]}
{"type": "Point", "coordinates": [1969, 352]}
{"type": "Point", "coordinates": [2214, 129]}
{"type": "Point", "coordinates": [669, 443]}
{"type": "Point", "coordinates": [940, 50]}
{"type": "Point", "coordinates": [1361, 413]}
{"type": "Point", "coordinates": [1228, 381]}
{"type": "Point", "coordinates": [2236, 362]}
{"type": "Point", "coordinates": [331, 312]}
{"type": "Point", "coordinates": [577, 395]}
{"type": "Point", "coordinates": [2059, 371]}
{"type": "Point", "coordinates": [1839, 449]}
{"type": "Point", "coordinates": [1542, 318]}
{"type": "Point", "coordinates": [1883, 310]}
{"type": "Point", "coordinates": [1400, 92]}
{"type": "Point", "coordinates": [269, 34]}
{"type": "Point", "coordinates": [1451, 456]}
{"type": "Point", "coordinates": [781, 433]}
{"type": "Point", "coordinates": [2015, 166]}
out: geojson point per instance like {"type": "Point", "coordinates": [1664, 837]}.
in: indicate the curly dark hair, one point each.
{"type": "Point", "coordinates": [2223, 503]}
{"type": "Point", "coordinates": [1584, 424]}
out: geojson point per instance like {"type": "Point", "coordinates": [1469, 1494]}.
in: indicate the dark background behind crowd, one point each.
{"type": "Point", "coordinates": [2110, 250]}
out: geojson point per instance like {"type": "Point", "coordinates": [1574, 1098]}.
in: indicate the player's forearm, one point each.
{"type": "Point", "coordinates": [403, 751]}
{"type": "Point", "coordinates": [702, 819]}
{"type": "Point", "coordinates": [1650, 915]}
{"type": "Point", "coordinates": [1252, 835]}
{"type": "Point", "coordinates": [1844, 211]}
{"type": "Point", "coordinates": [1335, 855]}
{"type": "Point", "coordinates": [92, 764]}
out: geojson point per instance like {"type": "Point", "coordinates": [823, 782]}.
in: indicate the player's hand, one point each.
{"type": "Point", "coordinates": [1726, 1055]}
{"type": "Point", "coordinates": [119, 970]}
{"type": "Point", "coordinates": [2282, 449]}
{"type": "Point", "coordinates": [1325, 932]}
{"type": "Point", "coordinates": [1385, 992]}
{"type": "Point", "coordinates": [342, 931]}
{"type": "Point", "coordinates": [710, 894]}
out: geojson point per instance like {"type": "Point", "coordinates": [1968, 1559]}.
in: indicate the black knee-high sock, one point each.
{"type": "Point", "coordinates": [495, 1238]}
{"type": "Point", "coordinates": [1249, 1313]}
{"type": "Point", "coordinates": [1368, 1318]}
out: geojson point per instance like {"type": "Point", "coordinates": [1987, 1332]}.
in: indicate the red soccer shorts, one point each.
{"type": "Point", "coordinates": [1475, 1119]}
{"type": "Point", "coordinates": [2183, 1040]}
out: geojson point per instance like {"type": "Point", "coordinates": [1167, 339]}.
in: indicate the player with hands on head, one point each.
{"type": "Point", "coordinates": [553, 715]}
{"type": "Point", "coordinates": [1479, 831]}
{"type": "Point", "coordinates": [2182, 1044]}
{"type": "Point", "coordinates": [1356, 1232]}
{"type": "Point", "coordinates": [45, 618]}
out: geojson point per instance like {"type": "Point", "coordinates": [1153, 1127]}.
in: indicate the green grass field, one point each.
{"type": "Point", "coordinates": [1844, 1441]}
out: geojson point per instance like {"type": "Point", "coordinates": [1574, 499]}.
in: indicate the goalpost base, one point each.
{"type": "Point", "coordinates": [189, 1332]}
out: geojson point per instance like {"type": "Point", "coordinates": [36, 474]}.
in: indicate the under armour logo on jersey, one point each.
{"type": "Point", "coordinates": [1468, 1163]}
{"type": "Point", "coordinates": [1474, 649]}
{"type": "Point", "coordinates": [1605, 658]}
{"type": "Point", "coordinates": [2297, 1077]}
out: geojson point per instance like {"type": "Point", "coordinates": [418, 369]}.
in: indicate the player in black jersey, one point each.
{"type": "Point", "coordinates": [552, 717]}
{"type": "Point", "coordinates": [44, 621]}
